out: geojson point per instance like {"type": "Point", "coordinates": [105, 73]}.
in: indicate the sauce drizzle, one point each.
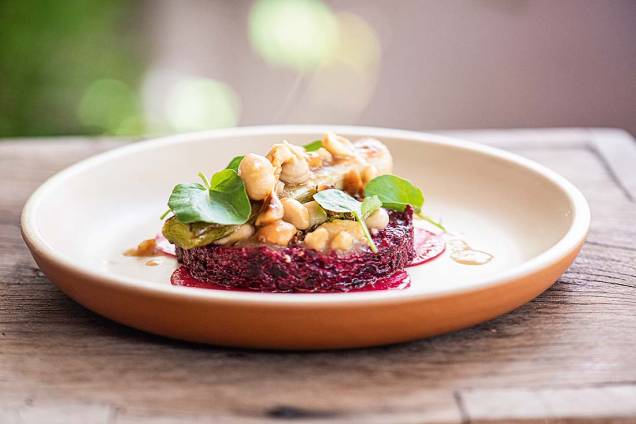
{"type": "Point", "coordinates": [463, 254]}
{"type": "Point", "coordinates": [427, 246]}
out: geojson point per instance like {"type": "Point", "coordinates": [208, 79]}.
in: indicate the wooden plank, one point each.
{"type": "Point", "coordinates": [576, 338]}
{"type": "Point", "coordinates": [15, 410]}
{"type": "Point", "coordinates": [522, 405]}
{"type": "Point", "coordinates": [618, 150]}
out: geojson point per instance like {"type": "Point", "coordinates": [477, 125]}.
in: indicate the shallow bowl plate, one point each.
{"type": "Point", "coordinates": [79, 222]}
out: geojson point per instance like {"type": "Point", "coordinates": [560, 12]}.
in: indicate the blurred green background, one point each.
{"type": "Point", "coordinates": [69, 67]}
{"type": "Point", "coordinates": [122, 67]}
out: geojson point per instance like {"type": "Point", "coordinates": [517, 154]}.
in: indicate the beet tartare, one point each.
{"type": "Point", "coordinates": [325, 217]}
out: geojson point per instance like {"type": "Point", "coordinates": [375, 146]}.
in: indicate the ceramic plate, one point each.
{"type": "Point", "coordinates": [80, 221]}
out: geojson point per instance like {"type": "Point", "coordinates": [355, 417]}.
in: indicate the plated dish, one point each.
{"type": "Point", "coordinates": [529, 219]}
{"type": "Point", "coordinates": [328, 216]}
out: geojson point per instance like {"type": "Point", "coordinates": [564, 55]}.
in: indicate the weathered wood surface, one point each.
{"type": "Point", "coordinates": [568, 356]}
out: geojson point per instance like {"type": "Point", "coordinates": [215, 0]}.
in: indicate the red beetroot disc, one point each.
{"type": "Point", "coordinates": [181, 277]}
{"type": "Point", "coordinates": [296, 269]}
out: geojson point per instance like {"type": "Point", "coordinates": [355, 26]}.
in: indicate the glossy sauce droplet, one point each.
{"type": "Point", "coordinates": [153, 262]}
{"type": "Point", "coordinates": [463, 254]}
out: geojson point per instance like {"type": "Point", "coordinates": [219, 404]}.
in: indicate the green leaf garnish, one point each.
{"type": "Point", "coordinates": [221, 200]}
{"type": "Point", "coordinates": [395, 192]}
{"type": "Point", "coordinates": [313, 146]}
{"type": "Point", "coordinates": [369, 205]}
{"type": "Point", "coordinates": [234, 163]}
{"type": "Point", "coordinates": [338, 201]}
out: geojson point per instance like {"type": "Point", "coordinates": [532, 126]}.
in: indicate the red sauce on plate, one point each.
{"type": "Point", "coordinates": [427, 246]}
{"type": "Point", "coordinates": [163, 246]}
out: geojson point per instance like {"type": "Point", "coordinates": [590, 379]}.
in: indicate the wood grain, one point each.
{"type": "Point", "coordinates": [567, 356]}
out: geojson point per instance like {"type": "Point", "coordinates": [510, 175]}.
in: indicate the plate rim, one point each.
{"type": "Point", "coordinates": [568, 244]}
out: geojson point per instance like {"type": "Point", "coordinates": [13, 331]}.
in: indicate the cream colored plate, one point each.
{"type": "Point", "coordinates": [80, 221]}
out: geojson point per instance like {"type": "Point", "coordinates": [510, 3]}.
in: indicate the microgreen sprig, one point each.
{"type": "Point", "coordinates": [313, 146]}
{"type": "Point", "coordinates": [340, 202]}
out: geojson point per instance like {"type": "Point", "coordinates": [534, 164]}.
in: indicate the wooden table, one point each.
{"type": "Point", "coordinates": [569, 355]}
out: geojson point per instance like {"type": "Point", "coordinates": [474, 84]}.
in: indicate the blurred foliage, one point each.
{"type": "Point", "coordinates": [69, 67]}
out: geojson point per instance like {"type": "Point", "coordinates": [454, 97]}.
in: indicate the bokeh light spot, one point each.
{"type": "Point", "coordinates": [200, 103]}
{"type": "Point", "coordinates": [300, 34]}
{"type": "Point", "coordinates": [110, 105]}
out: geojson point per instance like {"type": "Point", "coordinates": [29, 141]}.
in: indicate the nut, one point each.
{"type": "Point", "coordinates": [272, 210]}
{"type": "Point", "coordinates": [342, 241]}
{"type": "Point", "coordinates": [318, 158]}
{"type": "Point", "coordinates": [317, 214]}
{"type": "Point", "coordinates": [258, 175]}
{"type": "Point", "coordinates": [314, 160]}
{"type": "Point", "coordinates": [290, 163]}
{"type": "Point", "coordinates": [352, 183]}
{"type": "Point", "coordinates": [243, 232]}
{"type": "Point", "coordinates": [295, 213]}
{"type": "Point", "coordinates": [324, 154]}
{"type": "Point", "coordinates": [378, 220]}
{"type": "Point", "coordinates": [317, 239]}
{"type": "Point", "coordinates": [278, 232]}
{"type": "Point", "coordinates": [295, 171]}
{"type": "Point", "coordinates": [338, 146]}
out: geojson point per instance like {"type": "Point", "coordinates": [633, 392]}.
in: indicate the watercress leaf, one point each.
{"type": "Point", "coordinates": [188, 202]}
{"type": "Point", "coordinates": [229, 198]}
{"type": "Point", "coordinates": [338, 201]}
{"type": "Point", "coordinates": [234, 163]}
{"type": "Point", "coordinates": [225, 202]}
{"type": "Point", "coordinates": [313, 146]}
{"type": "Point", "coordinates": [370, 204]}
{"type": "Point", "coordinates": [395, 192]}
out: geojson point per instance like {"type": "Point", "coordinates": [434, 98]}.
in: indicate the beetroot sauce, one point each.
{"type": "Point", "coordinates": [427, 246]}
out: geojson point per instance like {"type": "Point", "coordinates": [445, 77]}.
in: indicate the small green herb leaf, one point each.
{"type": "Point", "coordinates": [224, 202]}
{"type": "Point", "coordinates": [395, 192]}
{"type": "Point", "coordinates": [313, 146]}
{"type": "Point", "coordinates": [338, 201]}
{"type": "Point", "coordinates": [370, 204]}
{"type": "Point", "coordinates": [234, 163]}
